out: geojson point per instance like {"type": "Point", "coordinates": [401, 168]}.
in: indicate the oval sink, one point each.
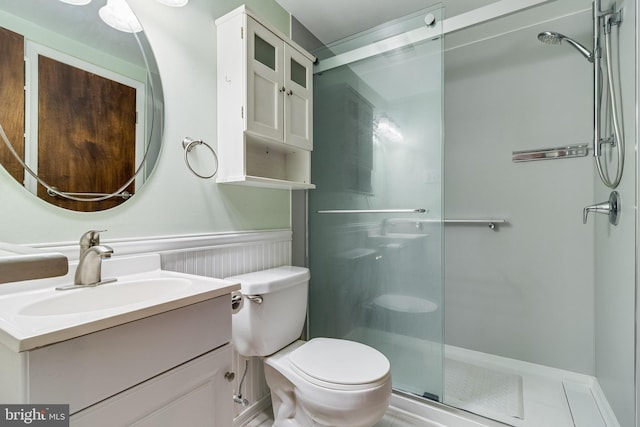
{"type": "Point", "coordinates": [104, 297]}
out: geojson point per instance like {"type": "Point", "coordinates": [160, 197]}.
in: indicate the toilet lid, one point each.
{"type": "Point", "coordinates": [335, 363]}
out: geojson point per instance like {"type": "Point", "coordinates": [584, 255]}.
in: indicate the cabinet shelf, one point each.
{"type": "Point", "coordinates": [260, 181]}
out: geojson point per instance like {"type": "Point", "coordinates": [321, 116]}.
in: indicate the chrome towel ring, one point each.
{"type": "Point", "coordinates": [189, 144]}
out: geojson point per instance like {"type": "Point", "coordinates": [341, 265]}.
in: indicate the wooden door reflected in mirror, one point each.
{"type": "Point", "coordinates": [87, 123]}
{"type": "Point", "coordinates": [12, 95]}
{"type": "Point", "coordinates": [85, 142]}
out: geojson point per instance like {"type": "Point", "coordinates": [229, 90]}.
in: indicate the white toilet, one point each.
{"type": "Point", "coordinates": [323, 382]}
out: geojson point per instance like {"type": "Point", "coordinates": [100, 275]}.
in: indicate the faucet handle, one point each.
{"type": "Point", "coordinates": [611, 208]}
{"type": "Point", "coordinates": [91, 238]}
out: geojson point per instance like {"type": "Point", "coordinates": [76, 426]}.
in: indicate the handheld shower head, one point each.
{"type": "Point", "coordinates": [550, 37]}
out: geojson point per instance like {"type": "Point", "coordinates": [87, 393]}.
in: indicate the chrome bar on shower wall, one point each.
{"type": "Point", "coordinates": [491, 223]}
{"type": "Point", "coordinates": [359, 211]}
{"type": "Point", "coordinates": [550, 153]}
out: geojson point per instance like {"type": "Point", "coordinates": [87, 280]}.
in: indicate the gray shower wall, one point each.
{"type": "Point", "coordinates": [546, 288]}
{"type": "Point", "coordinates": [525, 291]}
{"type": "Point", "coordinates": [615, 261]}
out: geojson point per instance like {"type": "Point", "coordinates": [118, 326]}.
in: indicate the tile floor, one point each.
{"type": "Point", "coordinates": [393, 418]}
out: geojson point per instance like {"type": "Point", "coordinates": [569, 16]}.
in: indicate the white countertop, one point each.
{"type": "Point", "coordinates": [27, 323]}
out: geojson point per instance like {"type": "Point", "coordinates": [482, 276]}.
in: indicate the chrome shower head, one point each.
{"type": "Point", "coordinates": [550, 37]}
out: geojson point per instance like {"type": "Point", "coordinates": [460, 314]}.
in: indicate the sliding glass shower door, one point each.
{"type": "Point", "coordinates": [375, 218]}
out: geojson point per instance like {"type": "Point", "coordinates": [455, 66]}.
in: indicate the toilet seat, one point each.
{"type": "Point", "coordinates": [340, 364]}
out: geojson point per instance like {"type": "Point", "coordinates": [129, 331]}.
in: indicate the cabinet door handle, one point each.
{"type": "Point", "coordinates": [282, 89]}
{"type": "Point", "coordinates": [289, 92]}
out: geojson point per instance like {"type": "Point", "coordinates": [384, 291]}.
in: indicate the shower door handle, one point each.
{"type": "Point", "coordinates": [358, 211]}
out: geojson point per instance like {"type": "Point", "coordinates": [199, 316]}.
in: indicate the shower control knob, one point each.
{"type": "Point", "coordinates": [611, 207]}
{"type": "Point", "coordinates": [229, 376]}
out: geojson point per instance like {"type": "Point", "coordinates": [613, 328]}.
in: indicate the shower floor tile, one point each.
{"type": "Point", "coordinates": [544, 399]}
{"type": "Point", "coordinates": [481, 390]}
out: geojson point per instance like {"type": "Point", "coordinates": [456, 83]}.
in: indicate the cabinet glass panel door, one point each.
{"type": "Point", "coordinates": [298, 73]}
{"type": "Point", "coordinates": [298, 106]}
{"type": "Point", "coordinates": [265, 74]}
{"type": "Point", "coordinates": [264, 53]}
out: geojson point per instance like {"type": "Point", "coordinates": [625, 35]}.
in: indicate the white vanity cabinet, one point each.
{"type": "Point", "coordinates": [194, 394]}
{"type": "Point", "coordinates": [265, 105]}
{"type": "Point", "coordinates": [167, 369]}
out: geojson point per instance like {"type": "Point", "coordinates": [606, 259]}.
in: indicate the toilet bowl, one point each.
{"type": "Point", "coordinates": [329, 382]}
{"type": "Point", "coordinates": [322, 382]}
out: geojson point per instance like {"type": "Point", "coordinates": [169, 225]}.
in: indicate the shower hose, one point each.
{"type": "Point", "coordinates": [619, 141]}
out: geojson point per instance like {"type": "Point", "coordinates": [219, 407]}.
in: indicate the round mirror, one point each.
{"type": "Point", "coordinates": [82, 116]}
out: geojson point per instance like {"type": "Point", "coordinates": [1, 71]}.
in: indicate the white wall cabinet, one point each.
{"type": "Point", "coordinates": [265, 105]}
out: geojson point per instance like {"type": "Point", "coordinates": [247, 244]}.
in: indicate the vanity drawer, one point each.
{"type": "Point", "coordinates": [91, 368]}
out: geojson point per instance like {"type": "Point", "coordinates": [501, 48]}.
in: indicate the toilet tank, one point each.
{"type": "Point", "coordinates": [274, 309]}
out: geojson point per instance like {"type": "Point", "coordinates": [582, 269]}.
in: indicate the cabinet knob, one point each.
{"type": "Point", "coordinates": [289, 92]}
{"type": "Point", "coordinates": [282, 89]}
{"type": "Point", "coordinates": [229, 376]}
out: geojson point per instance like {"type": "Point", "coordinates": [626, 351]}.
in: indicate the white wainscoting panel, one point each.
{"type": "Point", "coordinates": [229, 259]}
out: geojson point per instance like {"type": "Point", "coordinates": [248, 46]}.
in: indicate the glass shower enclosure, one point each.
{"type": "Point", "coordinates": [375, 218]}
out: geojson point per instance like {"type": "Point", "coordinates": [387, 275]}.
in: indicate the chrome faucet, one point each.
{"type": "Point", "coordinates": [89, 270]}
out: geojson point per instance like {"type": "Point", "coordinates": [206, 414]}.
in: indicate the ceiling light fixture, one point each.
{"type": "Point", "coordinates": [76, 2]}
{"type": "Point", "coordinates": [117, 14]}
{"type": "Point", "coordinates": [174, 3]}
